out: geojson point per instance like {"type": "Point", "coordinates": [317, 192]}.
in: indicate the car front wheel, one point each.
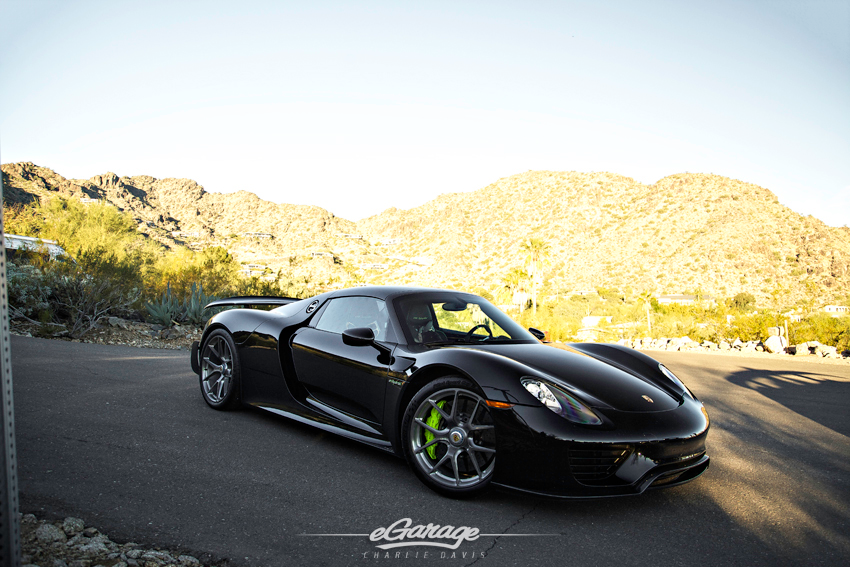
{"type": "Point", "coordinates": [449, 438]}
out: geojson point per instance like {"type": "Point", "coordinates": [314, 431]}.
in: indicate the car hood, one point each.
{"type": "Point", "coordinates": [598, 383]}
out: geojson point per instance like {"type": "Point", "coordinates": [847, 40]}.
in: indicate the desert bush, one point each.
{"type": "Point", "coordinates": [742, 302]}
{"type": "Point", "coordinates": [562, 319]}
{"type": "Point", "coordinates": [22, 219]}
{"type": "Point", "coordinates": [29, 293]}
{"type": "Point", "coordinates": [833, 331]}
{"type": "Point", "coordinates": [100, 238]}
{"type": "Point", "coordinates": [676, 325]}
{"type": "Point", "coordinates": [754, 327]}
{"type": "Point", "coordinates": [547, 319]}
{"type": "Point", "coordinates": [80, 301]}
{"type": "Point", "coordinates": [107, 248]}
{"type": "Point", "coordinates": [63, 295]}
{"type": "Point", "coordinates": [282, 286]}
{"type": "Point", "coordinates": [183, 268]}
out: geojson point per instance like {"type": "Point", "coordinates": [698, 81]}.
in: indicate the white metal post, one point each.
{"type": "Point", "coordinates": [10, 524]}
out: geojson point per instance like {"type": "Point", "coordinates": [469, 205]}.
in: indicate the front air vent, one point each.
{"type": "Point", "coordinates": [593, 464]}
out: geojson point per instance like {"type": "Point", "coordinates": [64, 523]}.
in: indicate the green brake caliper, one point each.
{"type": "Point", "coordinates": [433, 421]}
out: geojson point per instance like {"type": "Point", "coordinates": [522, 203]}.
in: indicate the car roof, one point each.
{"type": "Point", "coordinates": [387, 292]}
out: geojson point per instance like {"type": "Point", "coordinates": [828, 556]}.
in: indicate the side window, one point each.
{"type": "Point", "coordinates": [351, 312]}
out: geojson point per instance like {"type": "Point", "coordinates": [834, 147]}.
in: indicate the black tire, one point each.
{"type": "Point", "coordinates": [220, 371]}
{"type": "Point", "coordinates": [449, 438]}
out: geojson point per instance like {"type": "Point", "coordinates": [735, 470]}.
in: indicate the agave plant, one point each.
{"type": "Point", "coordinates": [193, 307]}
{"type": "Point", "coordinates": [167, 310]}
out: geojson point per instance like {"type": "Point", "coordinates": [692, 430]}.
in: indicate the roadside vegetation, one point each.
{"type": "Point", "coordinates": [612, 314]}
{"type": "Point", "coordinates": [703, 321]}
{"type": "Point", "coordinates": [113, 270]}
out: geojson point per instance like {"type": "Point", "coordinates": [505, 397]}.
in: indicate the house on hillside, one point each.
{"type": "Point", "coordinates": [251, 270]}
{"type": "Point", "coordinates": [594, 320]}
{"type": "Point", "coordinates": [836, 310]}
{"type": "Point", "coordinates": [681, 299]}
{"type": "Point", "coordinates": [17, 245]}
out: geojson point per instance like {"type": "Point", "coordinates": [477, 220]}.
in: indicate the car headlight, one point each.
{"type": "Point", "coordinates": [666, 371]}
{"type": "Point", "coordinates": [561, 402]}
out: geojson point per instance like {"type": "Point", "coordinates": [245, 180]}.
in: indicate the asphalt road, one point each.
{"type": "Point", "coordinates": [120, 437]}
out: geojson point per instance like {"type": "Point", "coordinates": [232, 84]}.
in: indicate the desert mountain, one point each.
{"type": "Point", "coordinates": [685, 233]}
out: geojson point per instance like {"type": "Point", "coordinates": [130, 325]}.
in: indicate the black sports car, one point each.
{"type": "Point", "coordinates": [453, 385]}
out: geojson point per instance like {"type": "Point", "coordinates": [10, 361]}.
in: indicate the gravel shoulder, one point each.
{"type": "Point", "coordinates": [70, 543]}
{"type": "Point", "coordinates": [116, 331]}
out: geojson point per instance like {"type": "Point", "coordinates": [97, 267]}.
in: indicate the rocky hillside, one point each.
{"type": "Point", "coordinates": [686, 232]}
{"type": "Point", "coordinates": [180, 205]}
{"type": "Point", "coordinates": [181, 212]}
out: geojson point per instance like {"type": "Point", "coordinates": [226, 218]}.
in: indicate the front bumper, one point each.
{"type": "Point", "coordinates": [541, 453]}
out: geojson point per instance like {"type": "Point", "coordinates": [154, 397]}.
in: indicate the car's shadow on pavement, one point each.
{"type": "Point", "coordinates": [803, 392]}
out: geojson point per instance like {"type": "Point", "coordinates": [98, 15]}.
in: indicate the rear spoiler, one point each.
{"type": "Point", "coordinates": [251, 300]}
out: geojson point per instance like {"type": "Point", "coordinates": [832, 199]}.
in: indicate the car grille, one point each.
{"type": "Point", "coordinates": [594, 463]}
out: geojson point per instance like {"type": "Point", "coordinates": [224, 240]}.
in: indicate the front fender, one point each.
{"type": "Point", "coordinates": [495, 375]}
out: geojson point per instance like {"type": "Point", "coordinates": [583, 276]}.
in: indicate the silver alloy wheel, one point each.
{"type": "Point", "coordinates": [216, 369]}
{"type": "Point", "coordinates": [463, 440]}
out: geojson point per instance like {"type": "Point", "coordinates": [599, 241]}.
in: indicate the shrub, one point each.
{"type": "Point", "coordinates": [754, 327]}
{"type": "Point", "coordinates": [180, 270]}
{"type": "Point", "coordinates": [107, 248]}
{"type": "Point", "coordinates": [833, 331]}
{"type": "Point", "coordinates": [102, 240]}
{"type": "Point", "coordinates": [743, 302]}
{"type": "Point", "coordinates": [80, 301]}
{"type": "Point", "coordinates": [281, 286]}
{"type": "Point", "coordinates": [29, 294]}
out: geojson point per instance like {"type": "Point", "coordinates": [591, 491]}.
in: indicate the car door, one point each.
{"type": "Point", "coordinates": [351, 379]}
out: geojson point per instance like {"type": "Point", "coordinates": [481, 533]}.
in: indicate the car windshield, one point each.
{"type": "Point", "coordinates": [447, 318]}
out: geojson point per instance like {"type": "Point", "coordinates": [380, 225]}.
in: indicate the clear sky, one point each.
{"type": "Point", "coordinates": [360, 106]}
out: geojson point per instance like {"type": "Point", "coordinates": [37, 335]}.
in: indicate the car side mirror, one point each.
{"type": "Point", "coordinates": [359, 336]}
{"type": "Point", "coordinates": [364, 336]}
{"type": "Point", "coordinates": [538, 334]}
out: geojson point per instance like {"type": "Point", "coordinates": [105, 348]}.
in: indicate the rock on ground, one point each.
{"type": "Point", "coordinates": [46, 544]}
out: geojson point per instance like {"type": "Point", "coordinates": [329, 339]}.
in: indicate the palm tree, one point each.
{"type": "Point", "coordinates": [536, 254]}
{"type": "Point", "coordinates": [646, 297]}
{"type": "Point", "coordinates": [515, 282]}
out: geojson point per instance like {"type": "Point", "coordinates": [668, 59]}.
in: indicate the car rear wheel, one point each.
{"type": "Point", "coordinates": [449, 438]}
{"type": "Point", "coordinates": [219, 371]}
